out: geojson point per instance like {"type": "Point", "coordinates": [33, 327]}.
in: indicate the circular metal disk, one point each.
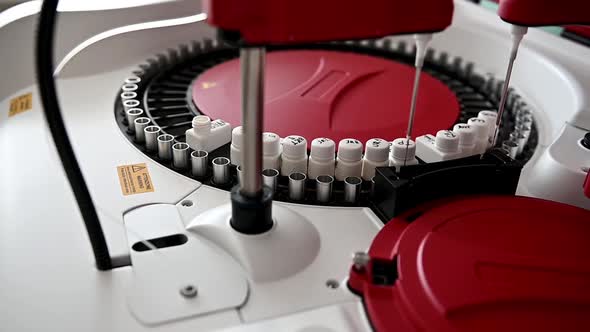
{"type": "Point", "coordinates": [315, 93]}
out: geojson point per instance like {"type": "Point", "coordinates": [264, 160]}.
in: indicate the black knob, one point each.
{"type": "Point", "coordinates": [586, 141]}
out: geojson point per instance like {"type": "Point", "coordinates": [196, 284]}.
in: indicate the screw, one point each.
{"type": "Point", "coordinates": [332, 283]}
{"type": "Point", "coordinates": [188, 291]}
{"type": "Point", "coordinates": [360, 259]}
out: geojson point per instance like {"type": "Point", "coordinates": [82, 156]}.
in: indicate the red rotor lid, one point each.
{"type": "Point", "coordinates": [480, 264]}
{"type": "Point", "coordinates": [332, 94]}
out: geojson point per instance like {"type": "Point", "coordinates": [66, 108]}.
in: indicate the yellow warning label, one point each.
{"type": "Point", "coordinates": [20, 104]}
{"type": "Point", "coordinates": [208, 85]}
{"type": "Point", "coordinates": [135, 179]}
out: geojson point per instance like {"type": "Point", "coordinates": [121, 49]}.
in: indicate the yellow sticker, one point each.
{"type": "Point", "coordinates": [135, 179]}
{"type": "Point", "coordinates": [208, 85]}
{"type": "Point", "coordinates": [20, 104]}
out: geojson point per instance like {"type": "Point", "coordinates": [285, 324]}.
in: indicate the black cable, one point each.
{"type": "Point", "coordinates": [52, 112]}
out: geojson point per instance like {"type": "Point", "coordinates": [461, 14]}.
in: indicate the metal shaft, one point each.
{"type": "Point", "coordinates": [324, 188]}
{"type": "Point", "coordinates": [297, 186]}
{"type": "Point", "coordinates": [352, 189]}
{"type": "Point", "coordinates": [504, 96]}
{"type": "Point", "coordinates": [252, 71]}
{"type": "Point", "coordinates": [270, 177]}
{"type": "Point", "coordinates": [180, 155]}
{"type": "Point", "coordinates": [199, 161]}
{"type": "Point", "coordinates": [221, 170]}
{"type": "Point", "coordinates": [412, 109]}
{"type": "Point", "coordinates": [151, 134]}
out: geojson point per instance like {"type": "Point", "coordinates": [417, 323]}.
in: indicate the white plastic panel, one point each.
{"type": "Point", "coordinates": [558, 174]}
{"type": "Point", "coordinates": [343, 317]}
{"type": "Point", "coordinates": [155, 292]}
{"type": "Point", "coordinates": [47, 279]}
{"type": "Point", "coordinates": [78, 22]}
{"type": "Point", "coordinates": [342, 231]}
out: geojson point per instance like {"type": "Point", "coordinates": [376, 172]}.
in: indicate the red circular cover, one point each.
{"type": "Point", "coordinates": [331, 94]}
{"type": "Point", "coordinates": [482, 264]}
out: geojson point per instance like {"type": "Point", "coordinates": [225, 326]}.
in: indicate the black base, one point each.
{"type": "Point", "coordinates": [251, 215]}
{"type": "Point", "coordinates": [395, 193]}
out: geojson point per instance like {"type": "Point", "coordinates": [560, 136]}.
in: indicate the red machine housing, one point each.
{"type": "Point", "coordinates": [304, 21]}
{"type": "Point", "coordinates": [488, 263]}
{"type": "Point", "coordinates": [538, 13]}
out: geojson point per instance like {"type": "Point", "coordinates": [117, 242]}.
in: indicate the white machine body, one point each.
{"type": "Point", "coordinates": [48, 281]}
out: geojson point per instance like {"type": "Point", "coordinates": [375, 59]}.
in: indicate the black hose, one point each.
{"type": "Point", "coordinates": [52, 112]}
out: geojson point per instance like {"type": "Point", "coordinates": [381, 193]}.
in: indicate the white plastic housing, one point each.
{"type": "Point", "coordinates": [560, 172]}
{"type": "Point", "coordinates": [208, 135]}
{"type": "Point", "coordinates": [402, 153]}
{"type": "Point", "coordinates": [467, 138]}
{"type": "Point", "coordinates": [235, 152]}
{"type": "Point", "coordinates": [349, 159]}
{"type": "Point", "coordinates": [481, 133]}
{"type": "Point", "coordinates": [271, 151]}
{"type": "Point", "coordinates": [428, 150]}
{"type": "Point", "coordinates": [321, 158]}
{"type": "Point", "coordinates": [376, 155]}
{"type": "Point", "coordinates": [491, 118]}
{"type": "Point", "coordinates": [294, 157]}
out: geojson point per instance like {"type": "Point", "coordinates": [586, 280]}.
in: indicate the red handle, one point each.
{"type": "Point", "coordinates": [548, 12]}
{"type": "Point", "coordinates": [306, 21]}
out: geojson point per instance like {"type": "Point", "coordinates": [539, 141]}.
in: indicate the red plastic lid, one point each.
{"type": "Point", "coordinates": [305, 21]}
{"type": "Point", "coordinates": [481, 264]}
{"type": "Point", "coordinates": [331, 94]}
{"type": "Point", "coordinates": [548, 12]}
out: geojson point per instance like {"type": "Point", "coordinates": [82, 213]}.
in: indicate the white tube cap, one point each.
{"type": "Point", "coordinates": [323, 149]}
{"type": "Point", "coordinates": [398, 149]}
{"type": "Point", "coordinates": [446, 140]}
{"type": "Point", "coordinates": [377, 149]}
{"type": "Point", "coordinates": [490, 117]}
{"type": "Point", "coordinates": [350, 149]}
{"type": "Point", "coordinates": [480, 126]}
{"type": "Point", "coordinates": [236, 137]}
{"type": "Point", "coordinates": [466, 133]}
{"type": "Point", "coordinates": [295, 147]}
{"type": "Point", "coordinates": [271, 144]}
{"type": "Point", "coordinates": [201, 121]}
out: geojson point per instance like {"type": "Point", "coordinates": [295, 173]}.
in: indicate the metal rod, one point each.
{"type": "Point", "coordinates": [252, 75]}
{"type": "Point", "coordinates": [128, 95]}
{"type": "Point", "coordinates": [132, 114]}
{"type": "Point", "coordinates": [129, 87]}
{"type": "Point", "coordinates": [165, 142]}
{"type": "Point", "coordinates": [151, 134]}
{"type": "Point", "coordinates": [130, 103]}
{"type": "Point", "coordinates": [133, 79]}
{"type": "Point", "coordinates": [504, 96]}
{"type": "Point", "coordinates": [140, 124]}
{"type": "Point", "coordinates": [413, 102]}
{"type": "Point", "coordinates": [412, 109]}
{"type": "Point", "coordinates": [297, 186]}
{"type": "Point", "coordinates": [270, 177]}
{"type": "Point", "coordinates": [199, 160]}
{"type": "Point", "coordinates": [352, 189]}
{"type": "Point", "coordinates": [221, 170]}
{"type": "Point", "coordinates": [511, 148]}
{"type": "Point", "coordinates": [324, 188]}
{"type": "Point", "coordinates": [180, 155]}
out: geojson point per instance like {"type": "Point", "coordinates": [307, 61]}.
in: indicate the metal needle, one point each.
{"type": "Point", "coordinates": [421, 46]}
{"type": "Point", "coordinates": [518, 33]}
